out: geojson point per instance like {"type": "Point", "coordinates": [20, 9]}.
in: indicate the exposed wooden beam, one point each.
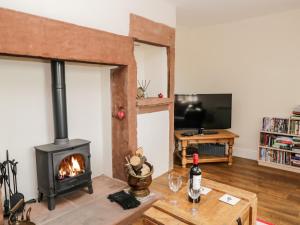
{"type": "Point", "coordinates": [22, 34]}
{"type": "Point", "coordinates": [124, 135]}
{"type": "Point", "coordinates": [148, 31]}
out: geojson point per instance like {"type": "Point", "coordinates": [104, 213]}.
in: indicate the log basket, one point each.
{"type": "Point", "coordinates": [139, 185]}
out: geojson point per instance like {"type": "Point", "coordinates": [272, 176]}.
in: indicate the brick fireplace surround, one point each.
{"type": "Point", "coordinates": [26, 35]}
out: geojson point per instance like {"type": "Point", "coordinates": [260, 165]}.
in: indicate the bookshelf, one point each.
{"type": "Point", "coordinates": [279, 144]}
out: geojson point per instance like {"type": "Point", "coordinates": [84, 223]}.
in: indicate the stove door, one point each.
{"type": "Point", "coordinates": [71, 168]}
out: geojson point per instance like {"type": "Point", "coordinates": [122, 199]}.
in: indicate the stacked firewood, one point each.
{"type": "Point", "coordinates": [136, 164]}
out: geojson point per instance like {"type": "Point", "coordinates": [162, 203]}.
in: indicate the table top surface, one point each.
{"type": "Point", "coordinates": [210, 210]}
{"type": "Point", "coordinates": [225, 134]}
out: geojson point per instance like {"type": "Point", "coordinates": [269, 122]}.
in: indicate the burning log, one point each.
{"type": "Point", "coordinates": [71, 166]}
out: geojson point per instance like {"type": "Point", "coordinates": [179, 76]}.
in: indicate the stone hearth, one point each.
{"type": "Point", "coordinates": [78, 208]}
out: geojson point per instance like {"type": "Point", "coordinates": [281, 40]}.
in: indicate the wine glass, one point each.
{"type": "Point", "coordinates": [175, 182]}
{"type": "Point", "coordinates": [193, 193]}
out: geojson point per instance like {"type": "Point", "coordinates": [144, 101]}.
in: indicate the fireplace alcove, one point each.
{"type": "Point", "coordinates": [25, 35]}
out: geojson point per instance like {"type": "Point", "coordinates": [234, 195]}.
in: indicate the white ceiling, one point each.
{"type": "Point", "coordinates": [209, 12]}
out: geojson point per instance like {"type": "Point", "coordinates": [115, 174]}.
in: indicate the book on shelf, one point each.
{"type": "Point", "coordinates": [282, 146]}
{"type": "Point", "coordinates": [274, 141]}
{"type": "Point", "coordinates": [297, 158]}
{"type": "Point", "coordinates": [277, 125]}
{"type": "Point", "coordinates": [296, 140]}
{"type": "Point", "coordinates": [295, 163]}
{"type": "Point", "coordinates": [296, 144]}
{"type": "Point", "coordinates": [295, 117]}
{"type": "Point", "coordinates": [295, 127]}
{"type": "Point", "coordinates": [296, 110]}
{"type": "Point", "coordinates": [269, 155]}
{"type": "Point", "coordinates": [296, 150]}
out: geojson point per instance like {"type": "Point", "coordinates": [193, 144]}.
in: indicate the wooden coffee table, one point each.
{"type": "Point", "coordinates": [211, 211]}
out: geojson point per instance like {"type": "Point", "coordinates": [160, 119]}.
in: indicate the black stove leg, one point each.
{"type": "Point", "coordinates": [40, 197]}
{"type": "Point", "coordinates": [90, 188]}
{"type": "Point", "coordinates": [51, 202]}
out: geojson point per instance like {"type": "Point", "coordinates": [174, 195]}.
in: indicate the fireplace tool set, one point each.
{"type": "Point", "coordinates": [14, 220]}
{"type": "Point", "coordinates": [12, 195]}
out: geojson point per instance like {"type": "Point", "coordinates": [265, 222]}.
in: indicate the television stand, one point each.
{"type": "Point", "coordinates": [220, 136]}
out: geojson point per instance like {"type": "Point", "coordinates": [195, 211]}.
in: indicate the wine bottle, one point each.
{"type": "Point", "coordinates": [195, 176]}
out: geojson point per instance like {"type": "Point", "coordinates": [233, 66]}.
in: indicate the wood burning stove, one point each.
{"type": "Point", "coordinates": [55, 169]}
{"type": "Point", "coordinates": [64, 165]}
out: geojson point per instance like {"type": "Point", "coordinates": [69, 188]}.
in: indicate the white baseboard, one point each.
{"type": "Point", "coordinates": [245, 153]}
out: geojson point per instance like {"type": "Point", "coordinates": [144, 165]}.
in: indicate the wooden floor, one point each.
{"type": "Point", "coordinates": [278, 196]}
{"type": "Point", "coordinates": [278, 191]}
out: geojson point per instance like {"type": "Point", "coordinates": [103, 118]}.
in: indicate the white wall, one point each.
{"type": "Point", "coordinates": [25, 95]}
{"type": "Point", "coordinates": [152, 65]}
{"type": "Point", "coordinates": [26, 112]}
{"type": "Point", "coordinates": [89, 111]}
{"type": "Point", "coordinates": [153, 136]}
{"type": "Point", "coordinates": [108, 15]}
{"type": "Point", "coordinates": [153, 128]}
{"type": "Point", "coordinates": [257, 60]}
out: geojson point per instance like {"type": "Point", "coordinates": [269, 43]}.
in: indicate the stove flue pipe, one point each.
{"type": "Point", "coordinates": [59, 102]}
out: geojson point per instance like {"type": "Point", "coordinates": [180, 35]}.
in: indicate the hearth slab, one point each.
{"type": "Point", "coordinates": [79, 208]}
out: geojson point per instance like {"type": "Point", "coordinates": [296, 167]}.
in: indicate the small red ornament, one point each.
{"type": "Point", "coordinates": [121, 114]}
{"type": "Point", "coordinates": [160, 95]}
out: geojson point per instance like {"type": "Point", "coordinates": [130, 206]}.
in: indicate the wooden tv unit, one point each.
{"type": "Point", "coordinates": [222, 137]}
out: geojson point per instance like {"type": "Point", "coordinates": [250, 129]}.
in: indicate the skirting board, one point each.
{"type": "Point", "coordinates": [245, 153]}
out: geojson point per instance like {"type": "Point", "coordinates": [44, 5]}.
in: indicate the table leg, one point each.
{"type": "Point", "coordinates": [230, 149]}
{"type": "Point", "coordinates": [253, 212]}
{"type": "Point", "coordinates": [176, 145]}
{"type": "Point", "coordinates": [183, 153]}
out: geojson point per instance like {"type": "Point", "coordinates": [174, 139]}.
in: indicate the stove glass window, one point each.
{"type": "Point", "coordinates": [71, 166]}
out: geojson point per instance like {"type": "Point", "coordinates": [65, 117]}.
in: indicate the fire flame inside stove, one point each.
{"type": "Point", "coordinates": [71, 166]}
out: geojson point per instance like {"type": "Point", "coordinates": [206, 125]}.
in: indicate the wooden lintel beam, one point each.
{"type": "Point", "coordinates": [147, 31]}
{"type": "Point", "coordinates": [22, 34]}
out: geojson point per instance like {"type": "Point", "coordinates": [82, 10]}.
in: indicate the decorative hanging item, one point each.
{"type": "Point", "coordinates": [120, 113]}
{"type": "Point", "coordinates": [141, 91]}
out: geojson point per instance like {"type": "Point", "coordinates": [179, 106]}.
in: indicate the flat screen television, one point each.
{"type": "Point", "coordinates": [208, 111]}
